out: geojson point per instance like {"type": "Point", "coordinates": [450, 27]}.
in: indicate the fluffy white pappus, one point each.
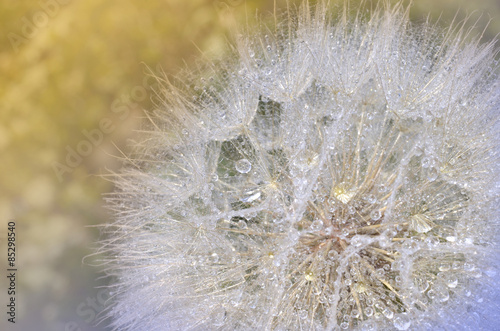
{"type": "Point", "coordinates": [333, 173]}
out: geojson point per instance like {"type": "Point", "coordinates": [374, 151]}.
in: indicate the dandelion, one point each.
{"type": "Point", "coordinates": [332, 174]}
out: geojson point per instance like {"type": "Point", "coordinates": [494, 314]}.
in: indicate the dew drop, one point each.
{"type": "Point", "coordinates": [242, 224]}
{"type": "Point", "coordinates": [243, 166]}
{"type": "Point", "coordinates": [444, 267]}
{"type": "Point", "coordinates": [388, 313]}
{"type": "Point", "coordinates": [420, 223]}
{"type": "Point", "coordinates": [342, 194]}
{"type": "Point", "coordinates": [316, 225]}
{"type": "Point", "coordinates": [215, 177]}
{"type": "Point", "coordinates": [375, 215]}
{"type": "Point", "coordinates": [451, 239]}
{"type": "Point", "coordinates": [332, 254]}
{"type": "Point", "coordinates": [432, 174]}
{"type": "Point", "coordinates": [251, 196]}
{"type": "Point", "coordinates": [452, 282]}
{"type": "Point", "coordinates": [402, 322]}
{"type": "Point", "coordinates": [309, 275]}
{"type": "Point", "coordinates": [444, 296]}
{"type": "Point", "coordinates": [214, 257]}
{"type": "Point", "coordinates": [370, 198]}
{"type": "Point", "coordinates": [468, 267]}
{"type": "Point", "coordinates": [351, 210]}
{"type": "Point", "coordinates": [382, 188]}
{"type": "Point", "coordinates": [425, 162]}
{"type": "Point", "coordinates": [469, 241]}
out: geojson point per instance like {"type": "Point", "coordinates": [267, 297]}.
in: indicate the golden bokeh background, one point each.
{"type": "Point", "coordinates": [73, 86]}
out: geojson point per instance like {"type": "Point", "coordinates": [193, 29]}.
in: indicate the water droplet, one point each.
{"type": "Point", "coordinates": [214, 258]}
{"type": "Point", "coordinates": [370, 198]}
{"type": "Point", "coordinates": [451, 239]}
{"type": "Point", "coordinates": [242, 224]}
{"type": "Point", "coordinates": [368, 311]}
{"type": "Point", "coordinates": [426, 162]}
{"type": "Point", "coordinates": [402, 322]}
{"type": "Point", "coordinates": [309, 275]}
{"type": "Point", "coordinates": [432, 174]}
{"type": "Point", "coordinates": [215, 177]}
{"type": "Point", "coordinates": [375, 215]}
{"type": "Point", "coordinates": [388, 313]}
{"type": "Point", "coordinates": [452, 282]}
{"type": "Point", "coordinates": [468, 267]}
{"type": "Point", "coordinates": [420, 223]}
{"type": "Point", "coordinates": [443, 295]}
{"type": "Point", "coordinates": [332, 254]}
{"type": "Point", "coordinates": [252, 196]}
{"type": "Point", "coordinates": [444, 267]}
{"type": "Point", "coordinates": [316, 225]}
{"type": "Point", "coordinates": [243, 166]}
{"type": "Point", "coordinates": [342, 194]}
{"type": "Point", "coordinates": [382, 188]}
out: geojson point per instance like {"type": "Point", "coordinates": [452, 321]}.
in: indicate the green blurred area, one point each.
{"type": "Point", "coordinates": [74, 79]}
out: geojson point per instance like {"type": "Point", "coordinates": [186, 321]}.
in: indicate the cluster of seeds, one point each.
{"type": "Point", "coordinates": [333, 176]}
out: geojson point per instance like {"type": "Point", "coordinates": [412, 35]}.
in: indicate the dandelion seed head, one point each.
{"type": "Point", "coordinates": [333, 174]}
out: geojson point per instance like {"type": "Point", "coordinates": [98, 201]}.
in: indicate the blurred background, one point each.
{"type": "Point", "coordinates": [73, 87]}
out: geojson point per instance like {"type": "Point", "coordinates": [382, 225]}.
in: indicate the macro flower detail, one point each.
{"type": "Point", "coordinates": [332, 174]}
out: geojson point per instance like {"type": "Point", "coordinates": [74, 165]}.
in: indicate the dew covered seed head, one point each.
{"type": "Point", "coordinates": [331, 174]}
